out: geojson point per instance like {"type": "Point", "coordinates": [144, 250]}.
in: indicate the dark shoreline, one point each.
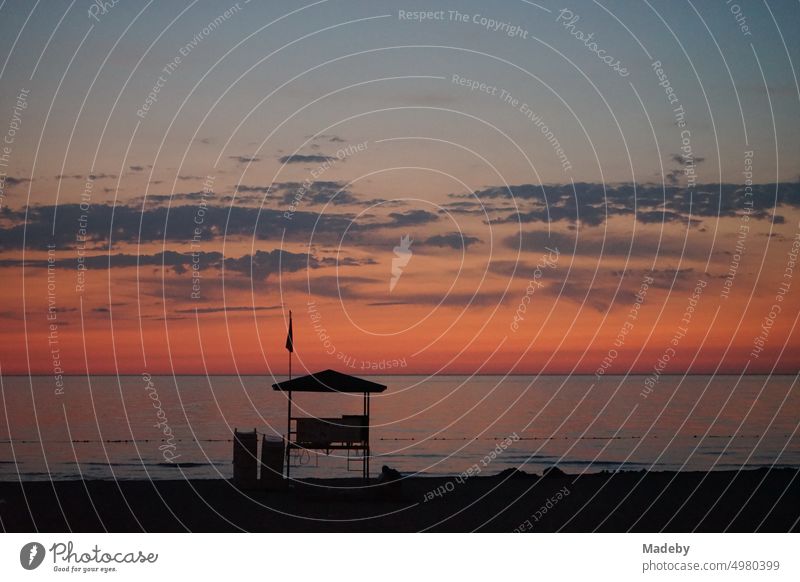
{"type": "Point", "coordinates": [761, 500]}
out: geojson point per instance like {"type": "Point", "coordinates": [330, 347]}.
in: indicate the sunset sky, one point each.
{"type": "Point", "coordinates": [178, 175]}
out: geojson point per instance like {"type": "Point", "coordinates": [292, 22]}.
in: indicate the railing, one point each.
{"type": "Point", "coordinates": [346, 432]}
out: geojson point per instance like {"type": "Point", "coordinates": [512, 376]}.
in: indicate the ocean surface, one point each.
{"type": "Point", "coordinates": [108, 427]}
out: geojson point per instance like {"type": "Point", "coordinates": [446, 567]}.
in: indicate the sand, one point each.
{"type": "Point", "coordinates": [744, 501]}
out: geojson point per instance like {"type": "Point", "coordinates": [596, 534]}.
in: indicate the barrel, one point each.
{"type": "Point", "coordinates": [272, 455]}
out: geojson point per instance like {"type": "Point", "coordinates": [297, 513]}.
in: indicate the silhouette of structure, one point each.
{"type": "Point", "coordinates": [245, 462]}
{"type": "Point", "coordinates": [347, 433]}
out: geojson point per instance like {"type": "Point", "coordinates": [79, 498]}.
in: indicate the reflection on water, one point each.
{"type": "Point", "coordinates": [121, 427]}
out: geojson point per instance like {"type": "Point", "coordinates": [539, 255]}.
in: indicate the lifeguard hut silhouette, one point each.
{"type": "Point", "coordinates": [345, 433]}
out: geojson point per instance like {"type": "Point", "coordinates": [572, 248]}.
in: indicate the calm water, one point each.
{"type": "Point", "coordinates": [106, 427]}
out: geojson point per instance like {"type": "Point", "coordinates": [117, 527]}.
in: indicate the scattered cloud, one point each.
{"type": "Point", "coordinates": [592, 204]}
{"type": "Point", "coordinates": [680, 159]}
{"type": "Point", "coordinates": [245, 188]}
{"type": "Point", "coordinates": [410, 218]}
{"type": "Point", "coordinates": [453, 240]}
{"type": "Point", "coordinates": [94, 176]}
{"type": "Point", "coordinates": [245, 159]}
{"type": "Point", "coordinates": [260, 265]}
{"type": "Point", "coordinates": [316, 193]}
{"type": "Point", "coordinates": [158, 199]}
{"type": "Point", "coordinates": [11, 181]}
{"type": "Point", "coordinates": [305, 159]}
{"type": "Point", "coordinates": [332, 138]}
{"type": "Point", "coordinates": [230, 309]}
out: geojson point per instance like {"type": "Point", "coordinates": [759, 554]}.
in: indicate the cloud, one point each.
{"type": "Point", "coordinates": [260, 265]}
{"type": "Point", "coordinates": [326, 137]}
{"type": "Point", "coordinates": [131, 224]}
{"type": "Point", "coordinates": [265, 263]}
{"type": "Point", "coordinates": [664, 216]}
{"type": "Point", "coordinates": [679, 159]}
{"type": "Point", "coordinates": [592, 203]}
{"type": "Point", "coordinates": [93, 176]}
{"type": "Point", "coordinates": [460, 300]}
{"type": "Point", "coordinates": [305, 159]}
{"type": "Point", "coordinates": [672, 177]}
{"type": "Point", "coordinates": [11, 181]}
{"type": "Point", "coordinates": [315, 193]}
{"type": "Point", "coordinates": [245, 188]}
{"type": "Point", "coordinates": [410, 218]}
{"type": "Point", "coordinates": [245, 159]}
{"type": "Point", "coordinates": [158, 223]}
{"type": "Point", "coordinates": [158, 199]}
{"type": "Point", "coordinates": [230, 309]}
{"type": "Point", "coordinates": [474, 207]}
{"type": "Point", "coordinates": [136, 168]}
{"type": "Point", "coordinates": [518, 192]}
{"type": "Point", "coordinates": [173, 259]}
{"type": "Point", "coordinates": [454, 240]}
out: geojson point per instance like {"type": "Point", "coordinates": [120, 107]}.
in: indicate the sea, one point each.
{"type": "Point", "coordinates": [165, 427]}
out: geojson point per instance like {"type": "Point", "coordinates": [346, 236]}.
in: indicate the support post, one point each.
{"type": "Point", "coordinates": [365, 461]}
{"type": "Point", "coordinates": [288, 434]}
{"type": "Point", "coordinates": [289, 417]}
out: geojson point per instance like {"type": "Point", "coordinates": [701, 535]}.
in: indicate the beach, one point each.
{"type": "Point", "coordinates": [762, 500]}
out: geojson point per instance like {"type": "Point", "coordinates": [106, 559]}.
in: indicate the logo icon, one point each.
{"type": "Point", "coordinates": [400, 260]}
{"type": "Point", "coordinates": [31, 555]}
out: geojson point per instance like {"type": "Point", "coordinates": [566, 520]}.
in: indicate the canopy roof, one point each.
{"type": "Point", "coordinates": [329, 381]}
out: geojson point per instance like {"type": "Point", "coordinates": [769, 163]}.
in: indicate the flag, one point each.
{"type": "Point", "coordinates": [289, 338]}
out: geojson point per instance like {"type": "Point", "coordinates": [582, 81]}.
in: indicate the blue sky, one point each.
{"type": "Point", "coordinates": [603, 103]}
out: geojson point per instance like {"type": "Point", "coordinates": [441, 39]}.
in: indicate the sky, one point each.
{"type": "Point", "coordinates": [593, 187]}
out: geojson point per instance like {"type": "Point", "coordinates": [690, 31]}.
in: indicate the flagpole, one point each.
{"type": "Point", "coordinates": [289, 414]}
{"type": "Point", "coordinates": [291, 339]}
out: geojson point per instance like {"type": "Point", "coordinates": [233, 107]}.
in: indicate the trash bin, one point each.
{"type": "Point", "coordinates": [245, 459]}
{"type": "Point", "coordinates": [272, 455]}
